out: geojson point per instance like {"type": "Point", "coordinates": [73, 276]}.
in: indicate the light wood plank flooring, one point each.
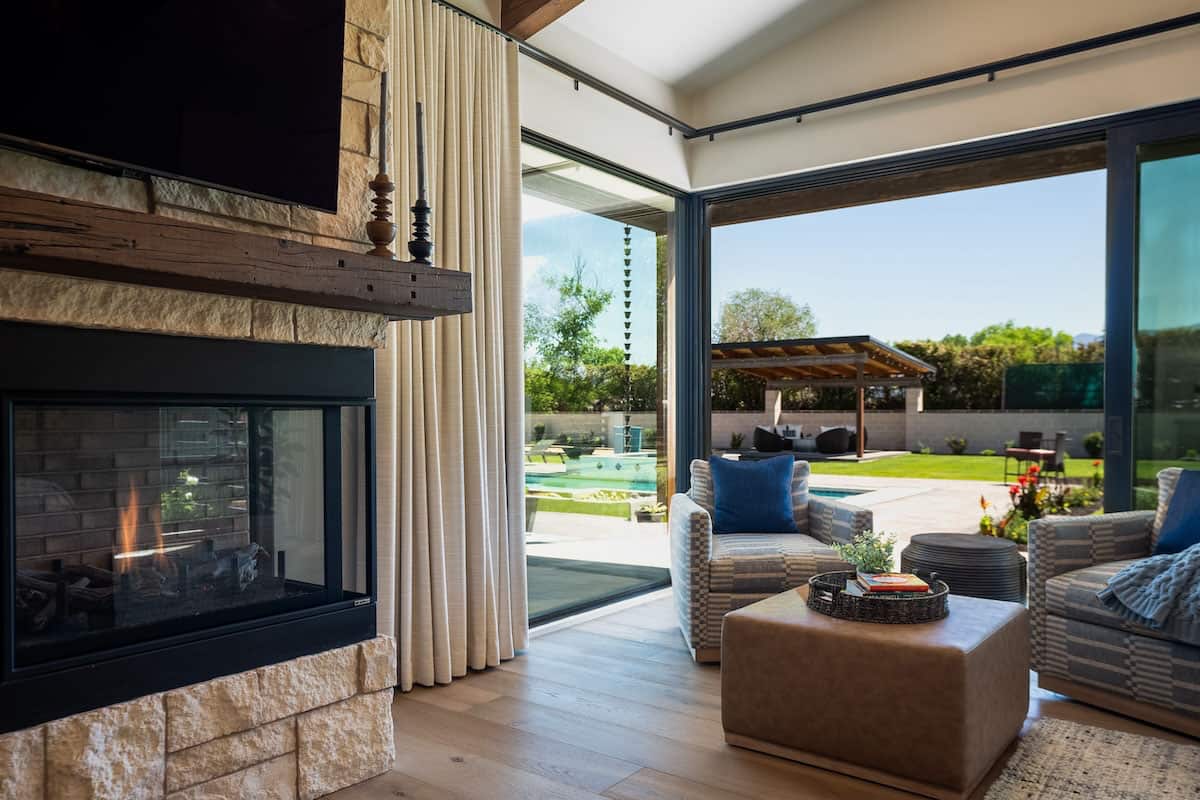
{"type": "Point", "coordinates": [611, 708]}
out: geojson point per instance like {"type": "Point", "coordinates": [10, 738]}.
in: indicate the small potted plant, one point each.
{"type": "Point", "coordinates": [652, 513]}
{"type": "Point", "coordinates": [869, 552]}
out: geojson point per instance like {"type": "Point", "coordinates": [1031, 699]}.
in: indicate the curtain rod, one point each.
{"type": "Point", "coordinates": [989, 69]}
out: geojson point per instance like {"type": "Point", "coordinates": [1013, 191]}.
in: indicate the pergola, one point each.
{"type": "Point", "coordinates": [835, 361]}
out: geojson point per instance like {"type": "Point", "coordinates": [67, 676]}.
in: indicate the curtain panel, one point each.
{"type": "Point", "coordinates": [449, 391]}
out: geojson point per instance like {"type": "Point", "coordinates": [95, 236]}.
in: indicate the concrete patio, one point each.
{"type": "Point", "coordinates": [902, 506]}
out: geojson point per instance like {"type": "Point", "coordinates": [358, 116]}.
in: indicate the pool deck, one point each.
{"type": "Point", "coordinates": [902, 506]}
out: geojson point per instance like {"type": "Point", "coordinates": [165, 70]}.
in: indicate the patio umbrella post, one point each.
{"type": "Point", "coordinates": [860, 415]}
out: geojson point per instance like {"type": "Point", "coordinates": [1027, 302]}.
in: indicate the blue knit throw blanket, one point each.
{"type": "Point", "coordinates": [1161, 593]}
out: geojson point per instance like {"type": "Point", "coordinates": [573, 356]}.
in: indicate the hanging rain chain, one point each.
{"type": "Point", "coordinates": [628, 349]}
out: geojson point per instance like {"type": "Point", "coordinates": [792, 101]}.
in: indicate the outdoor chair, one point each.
{"type": "Point", "coordinates": [834, 440]}
{"type": "Point", "coordinates": [768, 441]}
{"type": "Point", "coordinates": [1083, 649]}
{"type": "Point", "coordinates": [1056, 464]}
{"type": "Point", "coordinates": [713, 574]}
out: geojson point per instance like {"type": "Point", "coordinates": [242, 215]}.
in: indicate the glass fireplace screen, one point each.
{"type": "Point", "coordinates": [137, 521]}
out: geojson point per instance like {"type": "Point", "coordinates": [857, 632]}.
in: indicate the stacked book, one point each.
{"type": "Point", "coordinates": [887, 583]}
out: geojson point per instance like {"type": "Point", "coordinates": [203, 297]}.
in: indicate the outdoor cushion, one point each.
{"type": "Point", "coordinates": [1181, 524]}
{"type": "Point", "coordinates": [752, 496]}
{"type": "Point", "coordinates": [1072, 595]}
{"type": "Point", "coordinates": [701, 490]}
{"type": "Point", "coordinates": [764, 563]}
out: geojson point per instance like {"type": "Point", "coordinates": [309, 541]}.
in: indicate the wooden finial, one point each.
{"type": "Point", "coordinates": [381, 230]}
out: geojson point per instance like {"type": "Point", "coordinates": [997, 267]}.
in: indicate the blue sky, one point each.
{"type": "Point", "coordinates": [554, 236]}
{"type": "Point", "coordinates": [922, 268]}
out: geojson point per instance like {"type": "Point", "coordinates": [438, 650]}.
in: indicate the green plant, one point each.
{"type": "Point", "coordinates": [987, 452]}
{"type": "Point", "coordinates": [957, 444]}
{"type": "Point", "coordinates": [926, 450]}
{"type": "Point", "coordinates": [1093, 443]}
{"type": "Point", "coordinates": [736, 440]}
{"type": "Point", "coordinates": [539, 431]}
{"type": "Point", "coordinates": [180, 503]}
{"type": "Point", "coordinates": [869, 551]}
{"type": "Point", "coordinates": [921, 449]}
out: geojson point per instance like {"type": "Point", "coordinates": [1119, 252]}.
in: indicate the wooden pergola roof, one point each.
{"type": "Point", "coordinates": [835, 361]}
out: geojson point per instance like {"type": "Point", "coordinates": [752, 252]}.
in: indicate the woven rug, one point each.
{"type": "Point", "coordinates": [1059, 759]}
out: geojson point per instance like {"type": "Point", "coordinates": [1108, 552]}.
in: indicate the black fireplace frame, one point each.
{"type": "Point", "coordinates": [68, 366]}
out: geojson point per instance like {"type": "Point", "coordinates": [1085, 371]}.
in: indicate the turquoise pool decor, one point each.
{"type": "Point", "coordinates": [752, 496]}
{"type": "Point", "coordinates": [1181, 525]}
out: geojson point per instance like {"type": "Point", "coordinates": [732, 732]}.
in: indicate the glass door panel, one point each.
{"type": "Point", "coordinates": [1166, 419]}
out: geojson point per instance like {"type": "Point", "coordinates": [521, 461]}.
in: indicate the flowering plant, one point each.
{"type": "Point", "coordinates": [1031, 499]}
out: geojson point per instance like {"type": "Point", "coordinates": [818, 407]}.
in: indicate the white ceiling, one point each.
{"type": "Point", "coordinates": [688, 44]}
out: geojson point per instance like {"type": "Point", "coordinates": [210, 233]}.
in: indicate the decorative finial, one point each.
{"type": "Point", "coordinates": [420, 247]}
{"type": "Point", "coordinates": [381, 230]}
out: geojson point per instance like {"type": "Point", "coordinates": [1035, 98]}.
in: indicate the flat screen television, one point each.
{"type": "Point", "coordinates": [243, 95]}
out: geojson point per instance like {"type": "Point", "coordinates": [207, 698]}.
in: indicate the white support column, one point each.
{"type": "Point", "coordinates": [914, 406]}
{"type": "Point", "coordinates": [774, 405]}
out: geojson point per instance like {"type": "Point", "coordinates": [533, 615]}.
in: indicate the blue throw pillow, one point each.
{"type": "Point", "coordinates": [1181, 525]}
{"type": "Point", "coordinates": [752, 496]}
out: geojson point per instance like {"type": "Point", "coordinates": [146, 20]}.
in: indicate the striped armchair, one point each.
{"type": "Point", "coordinates": [1082, 649]}
{"type": "Point", "coordinates": [713, 575]}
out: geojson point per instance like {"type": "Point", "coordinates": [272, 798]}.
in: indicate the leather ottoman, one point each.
{"type": "Point", "coordinates": [925, 708]}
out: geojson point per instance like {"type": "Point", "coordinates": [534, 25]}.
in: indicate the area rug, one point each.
{"type": "Point", "coordinates": [1059, 759]}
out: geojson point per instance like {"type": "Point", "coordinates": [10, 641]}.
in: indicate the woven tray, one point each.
{"type": "Point", "coordinates": [826, 594]}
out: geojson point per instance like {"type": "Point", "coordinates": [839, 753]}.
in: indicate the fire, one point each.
{"type": "Point", "coordinates": [127, 523]}
{"type": "Point", "coordinates": [127, 530]}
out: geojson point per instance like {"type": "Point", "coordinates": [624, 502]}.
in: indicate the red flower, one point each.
{"type": "Point", "coordinates": [1022, 480]}
{"type": "Point", "coordinates": [1034, 469]}
{"type": "Point", "coordinates": [1096, 463]}
{"type": "Point", "coordinates": [1012, 490]}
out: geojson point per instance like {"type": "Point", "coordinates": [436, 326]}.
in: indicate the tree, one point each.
{"type": "Point", "coordinates": [1025, 343]}
{"type": "Point", "coordinates": [563, 339]}
{"type": "Point", "coordinates": [753, 315]}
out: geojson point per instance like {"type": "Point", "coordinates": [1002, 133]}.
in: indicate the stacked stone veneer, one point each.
{"type": "Point", "coordinates": [300, 729]}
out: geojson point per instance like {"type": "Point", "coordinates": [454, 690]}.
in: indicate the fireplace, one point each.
{"type": "Point", "coordinates": [174, 510]}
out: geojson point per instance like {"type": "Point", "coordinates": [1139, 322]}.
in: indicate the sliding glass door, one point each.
{"type": "Point", "coordinates": [596, 271]}
{"type": "Point", "coordinates": [1154, 306]}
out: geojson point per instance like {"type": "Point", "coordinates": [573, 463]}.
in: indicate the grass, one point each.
{"type": "Point", "coordinates": [967, 468]}
{"type": "Point", "coordinates": [567, 505]}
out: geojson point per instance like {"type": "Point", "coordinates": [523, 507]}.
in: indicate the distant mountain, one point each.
{"type": "Point", "coordinates": [1084, 339]}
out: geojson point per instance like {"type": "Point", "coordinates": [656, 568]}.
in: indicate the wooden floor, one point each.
{"type": "Point", "coordinates": [611, 708]}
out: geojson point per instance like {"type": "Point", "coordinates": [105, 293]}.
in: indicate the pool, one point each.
{"type": "Point", "coordinates": [633, 472]}
{"type": "Point", "coordinates": [823, 492]}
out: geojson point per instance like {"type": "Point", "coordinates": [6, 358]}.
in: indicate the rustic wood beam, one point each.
{"type": "Point", "coordinates": [39, 233]}
{"type": "Point", "coordinates": [524, 18]}
{"type": "Point", "coordinates": [840, 383]}
{"type": "Point", "coordinates": [771, 362]}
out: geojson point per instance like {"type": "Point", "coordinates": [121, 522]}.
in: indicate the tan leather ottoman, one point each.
{"type": "Point", "coordinates": [925, 708]}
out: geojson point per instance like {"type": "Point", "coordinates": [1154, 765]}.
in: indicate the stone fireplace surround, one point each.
{"type": "Point", "coordinates": [298, 729]}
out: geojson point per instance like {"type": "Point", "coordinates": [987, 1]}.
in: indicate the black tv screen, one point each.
{"type": "Point", "coordinates": [239, 94]}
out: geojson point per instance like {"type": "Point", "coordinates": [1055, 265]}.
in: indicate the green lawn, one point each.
{"type": "Point", "coordinates": [966, 468]}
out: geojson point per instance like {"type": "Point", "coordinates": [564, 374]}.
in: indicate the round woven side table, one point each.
{"type": "Point", "coordinates": [972, 564]}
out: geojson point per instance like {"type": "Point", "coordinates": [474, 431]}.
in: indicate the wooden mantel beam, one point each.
{"type": "Point", "coordinates": [524, 18]}
{"type": "Point", "coordinates": [40, 233]}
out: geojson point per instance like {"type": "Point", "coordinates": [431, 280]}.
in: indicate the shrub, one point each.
{"type": "Point", "coordinates": [869, 552]}
{"type": "Point", "coordinates": [736, 440]}
{"type": "Point", "coordinates": [957, 444]}
{"type": "Point", "coordinates": [539, 432]}
{"type": "Point", "coordinates": [1093, 443]}
{"type": "Point", "coordinates": [926, 450]}
{"type": "Point", "coordinates": [921, 448]}
{"type": "Point", "coordinates": [987, 452]}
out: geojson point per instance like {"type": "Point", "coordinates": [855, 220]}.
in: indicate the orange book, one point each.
{"type": "Point", "coordinates": [892, 582]}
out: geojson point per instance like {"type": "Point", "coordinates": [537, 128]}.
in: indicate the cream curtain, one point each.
{"type": "Point", "coordinates": [451, 500]}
